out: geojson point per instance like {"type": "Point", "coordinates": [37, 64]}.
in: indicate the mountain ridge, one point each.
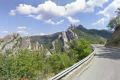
{"type": "Point", "coordinates": [54, 42]}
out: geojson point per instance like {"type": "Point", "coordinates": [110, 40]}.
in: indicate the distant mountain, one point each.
{"type": "Point", "coordinates": [104, 33]}
{"type": "Point", "coordinates": [14, 42]}
{"type": "Point", "coordinates": [101, 33]}
{"type": "Point", "coordinates": [60, 40]}
{"type": "Point", "coordinates": [54, 42]}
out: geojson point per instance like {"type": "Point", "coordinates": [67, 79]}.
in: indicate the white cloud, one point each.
{"type": "Point", "coordinates": [22, 32]}
{"type": "Point", "coordinates": [98, 3]}
{"type": "Point", "coordinates": [51, 7]}
{"type": "Point", "coordinates": [77, 6]}
{"type": "Point", "coordinates": [72, 20]}
{"type": "Point", "coordinates": [50, 21]}
{"type": "Point", "coordinates": [22, 27]}
{"type": "Point", "coordinates": [38, 17]}
{"type": "Point", "coordinates": [12, 13]}
{"type": "Point", "coordinates": [61, 21]}
{"type": "Point", "coordinates": [42, 34]}
{"type": "Point", "coordinates": [54, 23]}
{"type": "Point", "coordinates": [5, 32]}
{"type": "Point", "coordinates": [91, 4]}
{"type": "Point", "coordinates": [109, 11]}
{"type": "Point", "coordinates": [100, 22]}
{"type": "Point", "coordinates": [25, 9]}
{"type": "Point", "coordinates": [49, 10]}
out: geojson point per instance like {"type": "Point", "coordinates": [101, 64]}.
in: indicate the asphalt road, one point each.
{"type": "Point", "coordinates": [105, 65]}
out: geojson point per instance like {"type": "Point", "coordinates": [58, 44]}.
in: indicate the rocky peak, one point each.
{"type": "Point", "coordinates": [65, 37]}
{"type": "Point", "coordinates": [72, 27]}
{"type": "Point", "coordinates": [15, 41]}
{"type": "Point", "coordinates": [51, 42]}
{"type": "Point", "coordinates": [11, 41]}
{"type": "Point", "coordinates": [10, 37]}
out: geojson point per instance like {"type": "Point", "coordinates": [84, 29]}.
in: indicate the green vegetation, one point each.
{"type": "Point", "coordinates": [34, 65]}
{"type": "Point", "coordinates": [94, 36]}
{"type": "Point", "coordinates": [80, 49]}
{"type": "Point", "coordinates": [59, 62]}
{"type": "Point", "coordinates": [115, 25]}
{"type": "Point", "coordinates": [115, 22]}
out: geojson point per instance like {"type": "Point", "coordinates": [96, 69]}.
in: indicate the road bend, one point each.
{"type": "Point", "coordinates": [104, 66]}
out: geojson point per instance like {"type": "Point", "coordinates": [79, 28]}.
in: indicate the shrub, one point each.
{"type": "Point", "coordinates": [60, 62]}
{"type": "Point", "coordinates": [80, 48]}
{"type": "Point", "coordinates": [34, 65]}
{"type": "Point", "coordinates": [24, 64]}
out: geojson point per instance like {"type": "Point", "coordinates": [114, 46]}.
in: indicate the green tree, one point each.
{"type": "Point", "coordinates": [60, 62]}
{"type": "Point", "coordinates": [34, 65]}
{"type": "Point", "coordinates": [25, 64]}
{"type": "Point", "coordinates": [115, 22]}
{"type": "Point", "coordinates": [80, 48]}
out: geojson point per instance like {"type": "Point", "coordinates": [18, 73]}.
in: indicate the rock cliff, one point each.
{"type": "Point", "coordinates": [15, 41]}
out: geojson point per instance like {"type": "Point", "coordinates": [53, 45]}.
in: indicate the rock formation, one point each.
{"type": "Point", "coordinates": [54, 42]}
{"type": "Point", "coordinates": [15, 41]}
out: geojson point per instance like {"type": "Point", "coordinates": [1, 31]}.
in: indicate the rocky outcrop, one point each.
{"type": "Point", "coordinates": [10, 42]}
{"type": "Point", "coordinates": [63, 39]}
{"type": "Point", "coordinates": [115, 40]}
{"type": "Point", "coordinates": [15, 41]}
{"type": "Point", "coordinates": [60, 40]}
{"type": "Point", "coordinates": [54, 42]}
{"type": "Point", "coordinates": [68, 36]}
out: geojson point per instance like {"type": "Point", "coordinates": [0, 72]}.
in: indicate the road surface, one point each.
{"type": "Point", "coordinates": [105, 65]}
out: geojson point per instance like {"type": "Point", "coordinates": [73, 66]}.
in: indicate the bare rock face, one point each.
{"type": "Point", "coordinates": [63, 39]}
{"type": "Point", "coordinates": [68, 36]}
{"type": "Point", "coordinates": [26, 43]}
{"type": "Point", "coordinates": [115, 40]}
{"type": "Point", "coordinates": [71, 35]}
{"type": "Point", "coordinates": [10, 42]}
{"type": "Point", "coordinates": [15, 41]}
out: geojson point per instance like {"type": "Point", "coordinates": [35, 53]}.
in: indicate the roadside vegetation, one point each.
{"type": "Point", "coordinates": [115, 22]}
{"type": "Point", "coordinates": [114, 25]}
{"type": "Point", "coordinates": [34, 65]}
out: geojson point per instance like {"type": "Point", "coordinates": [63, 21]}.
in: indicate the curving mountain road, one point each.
{"type": "Point", "coordinates": [105, 65]}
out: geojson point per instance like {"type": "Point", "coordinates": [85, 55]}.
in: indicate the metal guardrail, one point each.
{"type": "Point", "coordinates": [70, 69]}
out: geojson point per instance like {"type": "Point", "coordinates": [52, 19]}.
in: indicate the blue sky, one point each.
{"type": "Point", "coordinates": [39, 17]}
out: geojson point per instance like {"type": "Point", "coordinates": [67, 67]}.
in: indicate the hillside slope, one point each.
{"type": "Point", "coordinates": [61, 39]}
{"type": "Point", "coordinates": [115, 39]}
{"type": "Point", "coordinates": [54, 42]}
